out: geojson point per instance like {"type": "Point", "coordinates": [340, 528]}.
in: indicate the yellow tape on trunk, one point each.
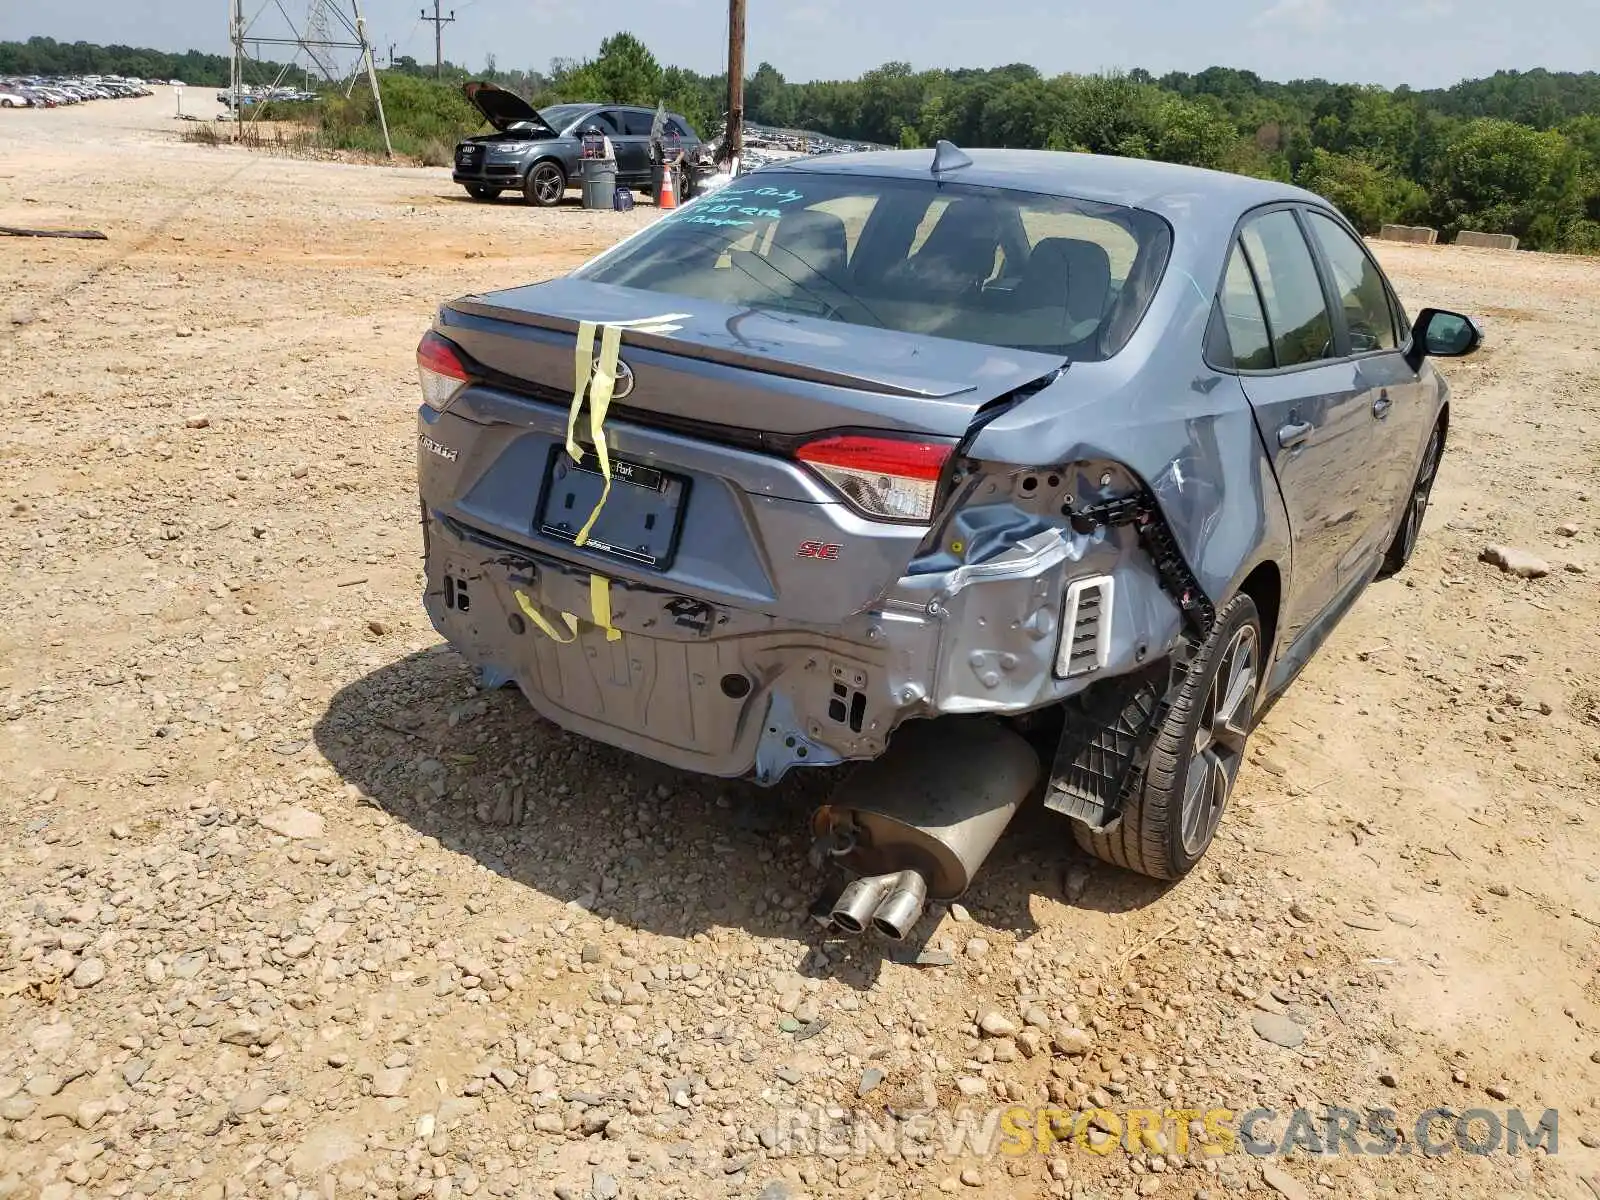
{"type": "Point", "coordinates": [598, 377]}
{"type": "Point", "coordinates": [601, 386]}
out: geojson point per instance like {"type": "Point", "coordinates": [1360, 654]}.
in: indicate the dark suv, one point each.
{"type": "Point", "coordinates": [537, 151]}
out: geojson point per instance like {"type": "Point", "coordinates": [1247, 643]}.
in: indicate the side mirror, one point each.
{"type": "Point", "coordinates": [1439, 333]}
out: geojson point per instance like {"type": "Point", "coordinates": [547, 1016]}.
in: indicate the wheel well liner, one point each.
{"type": "Point", "coordinates": [1264, 585]}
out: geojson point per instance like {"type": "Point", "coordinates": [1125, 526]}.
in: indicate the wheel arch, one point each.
{"type": "Point", "coordinates": [1264, 585]}
{"type": "Point", "coordinates": [553, 159]}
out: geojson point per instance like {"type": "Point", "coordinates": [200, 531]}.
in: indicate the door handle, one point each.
{"type": "Point", "coordinates": [1293, 433]}
{"type": "Point", "coordinates": [1382, 405]}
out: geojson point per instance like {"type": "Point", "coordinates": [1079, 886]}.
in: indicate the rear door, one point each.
{"type": "Point", "coordinates": [633, 147]}
{"type": "Point", "coordinates": [1309, 402]}
{"type": "Point", "coordinates": [1399, 402]}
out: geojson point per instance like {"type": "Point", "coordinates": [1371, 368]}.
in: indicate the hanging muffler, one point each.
{"type": "Point", "coordinates": [917, 823]}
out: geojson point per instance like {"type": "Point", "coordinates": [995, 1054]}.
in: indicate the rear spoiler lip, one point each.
{"type": "Point", "coordinates": [478, 307]}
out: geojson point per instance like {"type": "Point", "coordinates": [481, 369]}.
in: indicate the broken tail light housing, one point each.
{"type": "Point", "coordinates": [441, 369]}
{"type": "Point", "coordinates": [889, 478]}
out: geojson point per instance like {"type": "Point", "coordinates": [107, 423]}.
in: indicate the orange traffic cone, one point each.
{"type": "Point", "coordinates": [668, 196]}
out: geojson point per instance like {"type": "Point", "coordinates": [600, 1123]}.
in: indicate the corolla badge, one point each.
{"type": "Point", "coordinates": [433, 447]}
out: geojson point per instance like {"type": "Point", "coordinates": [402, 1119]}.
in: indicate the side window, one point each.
{"type": "Point", "coordinates": [1360, 286]}
{"type": "Point", "coordinates": [676, 128]}
{"type": "Point", "coordinates": [636, 123]}
{"type": "Point", "coordinates": [1291, 291]}
{"type": "Point", "coordinates": [607, 120]}
{"type": "Point", "coordinates": [1402, 323]}
{"type": "Point", "coordinates": [1248, 335]}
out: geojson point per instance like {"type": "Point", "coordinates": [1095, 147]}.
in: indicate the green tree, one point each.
{"type": "Point", "coordinates": [625, 72]}
{"type": "Point", "coordinates": [1501, 177]}
{"type": "Point", "coordinates": [768, 98]}
{"type": "Point", "coordinates": [1192, 132]}
{"type": "Point", "coordinates": [1105, 113]}
{"type": "Point", "coordinates": [1367, 195]}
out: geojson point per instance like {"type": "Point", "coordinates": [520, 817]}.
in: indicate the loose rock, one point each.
{"type": "Point", "coordinates": [1277, 1029]}
{"type": "Point", "coordinates": [1516, 562]}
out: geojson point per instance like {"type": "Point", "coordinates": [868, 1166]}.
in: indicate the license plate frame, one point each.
{"type": "Point", "coordinates": [641, 522]}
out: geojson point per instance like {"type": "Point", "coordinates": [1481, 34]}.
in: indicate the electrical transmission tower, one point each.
{"type": "Point", "coordinates": [330, 26]}
{"type": "Point", "coordinates": [317, 37]}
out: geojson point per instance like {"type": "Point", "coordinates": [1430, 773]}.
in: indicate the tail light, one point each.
{"type": "Point", "coordinates": [883, 477]}
{"type": "Point", "coordinates": [441, 370]}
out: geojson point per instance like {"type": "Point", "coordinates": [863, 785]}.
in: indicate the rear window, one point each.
{"type": "Point", "coordinates": [989, 265]}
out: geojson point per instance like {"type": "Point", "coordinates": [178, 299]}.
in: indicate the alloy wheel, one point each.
{"type": "Point", "coordinates": [548, 183]}
{"type": "Point", "coordinates": [1219, 740]}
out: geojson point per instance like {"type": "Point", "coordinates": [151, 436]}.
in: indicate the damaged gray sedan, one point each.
{"type": "Point", "coordinates": [1016, 474]}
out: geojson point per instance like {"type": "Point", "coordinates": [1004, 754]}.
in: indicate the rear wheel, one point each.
{"type": "Point", "coordinates": [1175, 809]}
{"type": "Point", "coordinates": [1405, 538]}
{"type": "Point", "coordinates": [479, 192]}
{"type": "Point", "coordinates": [546, 184]}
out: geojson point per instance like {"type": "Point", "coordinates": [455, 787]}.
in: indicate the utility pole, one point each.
{"type": "Point", "coordinates": [733, 139]}
{"type": "Point", "coordinates": [438, 37]}
{"type": "Point", "coordinates": [236, 32]}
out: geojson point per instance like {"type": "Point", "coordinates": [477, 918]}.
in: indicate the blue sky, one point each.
{"type": "Point", "coordinates": [1426, 43]}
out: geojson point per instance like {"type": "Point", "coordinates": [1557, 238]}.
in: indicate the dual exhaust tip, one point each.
{"type": "Point", "coordinates": [891, 904]}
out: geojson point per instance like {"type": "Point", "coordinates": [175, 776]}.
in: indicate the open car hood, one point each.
{"type": "Point", "coordinates": [503, 109]}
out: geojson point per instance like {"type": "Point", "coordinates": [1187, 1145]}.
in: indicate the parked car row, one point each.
{"type": "Point", "coordinates": [38, 91]}
{"type": "Point", "coordinates": [249, 95]}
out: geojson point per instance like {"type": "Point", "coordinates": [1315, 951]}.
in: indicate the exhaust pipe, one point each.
{"type": "Point", "coordinates": [918, 822]}
{"type": "Point", "coordinates": [854, 908]}
{"type": "Point", "coordinates": [902, 906]}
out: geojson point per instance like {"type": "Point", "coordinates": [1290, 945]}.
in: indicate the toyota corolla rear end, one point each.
{"type": "Point", "coordinates": [789, 549]}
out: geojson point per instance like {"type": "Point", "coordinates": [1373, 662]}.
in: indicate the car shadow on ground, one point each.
{"type": "Point", "coordinates": [649, 846]}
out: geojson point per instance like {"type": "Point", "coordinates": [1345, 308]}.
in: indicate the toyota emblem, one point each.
{"type": "Point", "coordinates": [624, 384]}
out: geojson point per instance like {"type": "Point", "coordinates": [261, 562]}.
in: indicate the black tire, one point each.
{"type": "Point", "coordinates": [1405, 537]}
{"type": "Point", "coordinates": [1159, 834]}
{"type": "Point", "coordinates": [546, 184]}
{"type": "Point", "coordinates": [479, 192]}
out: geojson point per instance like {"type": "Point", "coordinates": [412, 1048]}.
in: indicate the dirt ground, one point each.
{"type": "Point", "coordinates": [291, 909]}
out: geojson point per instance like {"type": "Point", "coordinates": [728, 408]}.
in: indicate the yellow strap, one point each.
{"type": "Point", "coordinates": [600, 605]}
{"type": "Point", "coordinates": [545, 627]}
{"type": "Point", "coordinates": [600, 391]}
{"type": "Point", "coordinates": [583, 364]}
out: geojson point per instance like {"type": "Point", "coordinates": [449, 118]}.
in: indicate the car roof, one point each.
{"type": "Point", "coordinates": [590, 105]}
{"type": "Point", "coordinates": [1169, 189]}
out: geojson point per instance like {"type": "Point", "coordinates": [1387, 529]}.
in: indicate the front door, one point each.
{"type": "Point", "coordinates": [1399, 403]}
{"type": "Point", "coordinates": [1310, 405]}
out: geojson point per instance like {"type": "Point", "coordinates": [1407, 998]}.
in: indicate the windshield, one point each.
{"type": "Point", "coordinates": [1001, 267]}
{"type": "Point", "coordinates": [559, 116]}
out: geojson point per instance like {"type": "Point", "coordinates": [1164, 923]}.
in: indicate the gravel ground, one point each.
{"type": "Point", "coordinates": [290, 908]}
